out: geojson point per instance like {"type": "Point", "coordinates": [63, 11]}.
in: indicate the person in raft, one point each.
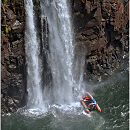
{"type": "Point", "coordinates": [91, 103]}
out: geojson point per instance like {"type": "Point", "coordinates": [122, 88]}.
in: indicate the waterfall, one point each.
{"type": "Point", "coordinates": [61, 49]}
{"type": "Point", "coordinates": [78, 68]}
{"type": "Point", "coordinates": [32, 48]}
{"type": "Point", "coordinates": [54, 81]}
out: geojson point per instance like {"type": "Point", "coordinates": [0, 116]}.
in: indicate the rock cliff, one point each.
{"type": "Point", "coordinates": [101, 29]}
{"type": "Point", "coordinates": [13, 67]}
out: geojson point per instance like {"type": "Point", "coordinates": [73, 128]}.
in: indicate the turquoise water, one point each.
{"type": "Point", "coordinates": [112, 95]}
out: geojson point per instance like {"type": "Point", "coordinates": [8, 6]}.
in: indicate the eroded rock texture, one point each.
{"type": "Point", "coordinates": [101, 28]}
{"type": "Point", "coordinates": [13, 73]}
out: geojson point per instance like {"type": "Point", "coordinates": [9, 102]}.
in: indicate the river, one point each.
{"type": "Point", "coordinates": [112, 95]}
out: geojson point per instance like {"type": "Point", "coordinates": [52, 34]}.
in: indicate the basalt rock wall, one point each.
{"type": "Point", "coordinates": [13, 67]}
{"type": "Point", "coordinates": [101, 28]}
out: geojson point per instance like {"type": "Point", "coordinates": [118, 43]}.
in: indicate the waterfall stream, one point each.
{"type": "Point", "coordinates": [32, 48]}
{"type": "Point", "coordinates": [61, 49]}
{"type": "Point", "coordinates": [59, 54]}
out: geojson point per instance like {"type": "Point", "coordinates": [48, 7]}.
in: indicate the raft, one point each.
{"type": "Point", "coordinates": [86, 107]}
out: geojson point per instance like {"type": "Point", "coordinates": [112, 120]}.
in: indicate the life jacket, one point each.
{"type": "Point", "coordinates": [87, 100]}
{"type": "Point", "coordinates": [94, 100]}
{"type": "Point", "coordinates": [86, 97]}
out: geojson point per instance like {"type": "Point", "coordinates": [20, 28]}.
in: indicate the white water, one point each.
{"type": "Point", "coordinates": [61, 49]}
{"type": "Point", "coordinates": [32, 49]}
{"type": "Point", "coordinates": [60, 56]}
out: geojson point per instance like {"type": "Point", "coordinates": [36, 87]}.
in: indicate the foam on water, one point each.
{"type": "Point", "coordinates": [74, 108]}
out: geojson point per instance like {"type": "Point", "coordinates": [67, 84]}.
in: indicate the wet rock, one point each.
{"type": "Point", "coordinates": [10, 15]}
{"type": "Point", "coordinates": [16, 25]}
{"type": "Point", "coordinates": [104, 30]}
{"type": "Point", "coordinates": [126, 48]}
{"type": "Point", "coordinates": [10, 102]}
{"type": "Point", "coordinates": [88, 7]}
{"type": "Point", "coordinates": [13, 70]}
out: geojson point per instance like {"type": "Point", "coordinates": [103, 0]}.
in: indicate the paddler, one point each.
{"type": "Point", "coordinates": [91, 103]}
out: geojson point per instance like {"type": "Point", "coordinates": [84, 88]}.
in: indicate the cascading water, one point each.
{"type": "Point", "coordinates": [61, 49]}
{"type": "Point", "coordinates": [58, 55]}
{"type": "Point", "coordinates": [78, 69]}
{"type": "Point", "coordinates": [32, 49]}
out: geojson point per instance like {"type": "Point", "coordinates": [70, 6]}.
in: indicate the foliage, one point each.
{"type": "Point", "coordinates": [7, 29]}
{"type": "Point", "coordinates": [9, 66]}
{"type": "Point", "coordinates": [114, 4]}
{"type": "Point", "coordinates": [108, 14]}
{"type": "Point", "coordinates": [107, 19]}
{"type": "Point", "coordinates": [118, 2]}
{"type": "Point", "coordinates": [3, 33]}
{"type": "Point", "coordinates": [37, 1]}
{"type": "Point", "coordinates": [5, 1]}
{"type": "Point", "coordinates": [4, 4]}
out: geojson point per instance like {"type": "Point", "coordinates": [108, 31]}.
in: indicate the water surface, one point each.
{"type": "Point", "coordinates": [112, 95]}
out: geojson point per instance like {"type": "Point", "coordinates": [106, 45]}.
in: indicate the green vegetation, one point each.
{"type": "Point", "coordinates": [114, 4]}
{"type": "Point", "coordinates": [9, 66]}
{"type": "Point", "coordinates": [5, 1]}
{"type": "Point", "coordinates": [107, 20]}
{"type": "Point", "coordinates": [109, 11]}
{"type": "Point", "coordinates": [4, 8]}
{"type": "Point", "coordinates": [4, 4]}
{"type": "Point", "coordinates": [118, 2]}
{"type": "Point", "coordinates": [36, 8]}
{"type": "Point", "coordinates": [108, 14]}
{"type": "Point", "coordinates": [3, 33]}
{"type": "Point", "coordinates": [7, 29]}
{"type": "Point", "coordinates": [37, 1]}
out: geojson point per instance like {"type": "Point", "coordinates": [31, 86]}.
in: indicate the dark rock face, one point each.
{"type": "Point", "coordinates": [102, 27]}
{"type": "Point", "coordinates": [13, 69]}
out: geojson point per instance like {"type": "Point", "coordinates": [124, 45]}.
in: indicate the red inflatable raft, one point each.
{"type": "Point", "coordinates": [86, 107]}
